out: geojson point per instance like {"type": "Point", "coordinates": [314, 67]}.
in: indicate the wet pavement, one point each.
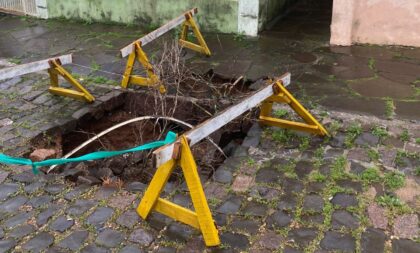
{"type": "Point", "coordinates": [278, 192]}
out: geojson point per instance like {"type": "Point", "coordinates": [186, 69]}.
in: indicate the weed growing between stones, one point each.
{"type": "Point", "coordinates": [352, 132]}
{"type": "Point", "coordinates": [405, 136]}
{"type": "Point", "coordinates": [373, 155]}
{"type": "Point", "coordinates": [379, 132]}
{"type": "Point", "coordinates": [394, 180]}
{"type": "Point", "coordinates": [389, 108]}
{"type": "Point", "coordinates": [370, 175]}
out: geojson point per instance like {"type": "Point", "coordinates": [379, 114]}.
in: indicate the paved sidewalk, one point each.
{"type": "Point", "coordinates": [278, 191]}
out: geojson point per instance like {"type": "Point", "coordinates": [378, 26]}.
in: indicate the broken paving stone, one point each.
{"type": "Point", "coordinates": [7, 190]}
{"type": "Point", "coordinates": [61, 224]}
{"type": "Point", "coordinates": [42, 154]}
{"type": "Point", "coordinates": [341, 218]}
{"type": "Point", "coordinates": [338, 241]}
{"type": "Point", "coordinates": [405, 246]}
{"type": "Point", "coordinates": [279, 219]}
{"type": "Point", "coordinates": [223, 176]}
{"type": "Point", "coordinates": [377, 215]}
{"type": "Point", "coordinates": [235, 241]}
{"type": "Point", "coordinates": [141, 237]}
{"type": "Point", "coordinates": [21, 231]}
{"type": "Point", "coordinates": [270, 240]}
{"type": "Point", "coordinates": [367, 139]}
{"type": "Point", "coordinates": [313, 202]}
{"type": "Point", "coordinates": [109, 238]}
{"type": "Point", "coordinates": [373, 241]}
{"type": "Point", "coordinates": [80, 207]}
{"type": "Point", "coordinates": [7, 244]}
{"type": "Point", "coordinates": [128, 219]}
{"type": "Point", "coordinates": [39, 242]}
{"type": "Point", "coordinates": [100, 216]}
{"type": "Point", "coordinates": [74, 241]}
{"type": "Point", "coordinates": [303, 236]}
{"type": "Point", "coordinates": [406, 226]}
{"type": "Point", "coordinates": [344, 200]}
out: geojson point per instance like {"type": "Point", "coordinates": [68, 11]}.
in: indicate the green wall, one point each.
{"type": "Point", "coordinates": [213, 15]}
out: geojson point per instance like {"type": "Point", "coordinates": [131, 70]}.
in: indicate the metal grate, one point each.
{"type": "Point", "coordinates": [25, 7]}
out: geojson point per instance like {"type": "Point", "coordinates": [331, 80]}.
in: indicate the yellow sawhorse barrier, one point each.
{"type": "Point", "coordinates": [150, 80]}
{"type": "Point", "coordinates": [201, 47]}
{"type": "Point", "coordinates": [135, 50]}
{"type": "Point", "coordinates": [200, 219]}
{"type": "Point", "coordinates": [80, 93]}
{"type": "Point", "coordinates": [282, 95]}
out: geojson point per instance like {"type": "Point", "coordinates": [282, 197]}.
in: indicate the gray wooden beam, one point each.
{"type": "Point", "coordinates": [31, 67]}
{"type": "Point", "coordinates": [211, 125]}
{"type": "Point", "coordinates": [158, 32]}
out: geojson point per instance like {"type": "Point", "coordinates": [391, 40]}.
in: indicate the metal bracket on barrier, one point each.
{"type": "Point", "coordinates": [282, 95]}
{"type": "Point", "coordinates": [200, 219]}
{"type": "Point", "coordinates": [151, 80]}
{"type": "Point", "coordinates": [57, 69]}
{"type": "Point", "coordinates": [201, 47]}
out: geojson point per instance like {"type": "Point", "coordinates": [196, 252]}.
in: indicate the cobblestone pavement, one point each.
{"type": "Point", "coordinates": [277, 192]}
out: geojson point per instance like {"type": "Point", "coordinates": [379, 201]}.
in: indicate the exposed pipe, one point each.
{"type": "Point", "coordinates": [106, 131]}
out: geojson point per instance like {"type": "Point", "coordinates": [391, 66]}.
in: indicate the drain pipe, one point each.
{"type": "Point", "coordinates": [94, 138]}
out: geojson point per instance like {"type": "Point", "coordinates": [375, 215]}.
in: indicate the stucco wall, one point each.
{"type": "Point", "coordinates": [388, 22]}
{"type": "Point", "coordinates": [214, 15]}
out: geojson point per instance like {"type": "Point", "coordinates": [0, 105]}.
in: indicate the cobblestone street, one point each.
{"type": "Point", "coordinates": [278, 190]}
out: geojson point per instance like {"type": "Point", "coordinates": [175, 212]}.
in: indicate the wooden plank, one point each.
{"type": "Point", "coordinates": [157, 33]}
{"type": "Point", "coordinates": [31, 67]}
{"type": "Point", "coordinates": [208, 127]}
{"type": "Point", "coordinates": [177, 212]}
